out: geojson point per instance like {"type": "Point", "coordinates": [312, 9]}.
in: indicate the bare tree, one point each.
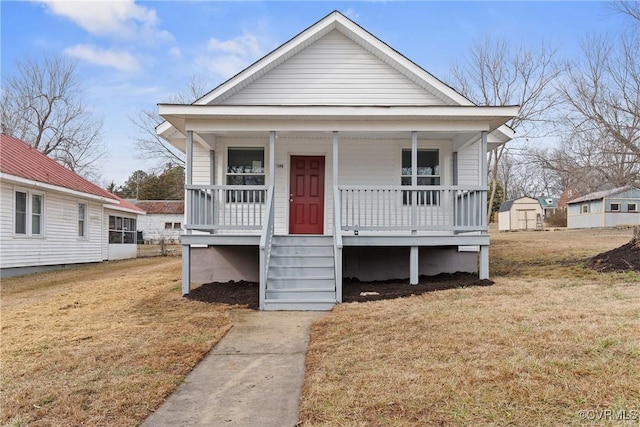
{"type": "Point", "coordinates": [496, 73]}
{"type": "Point", "coordinates": [43, 105]}
{"type": "Point", "coordinates": [147, 120]}
{"type": "Point", "coordinates": [602, 117]}
{"type": "Point", "coordinates": [629, 8]}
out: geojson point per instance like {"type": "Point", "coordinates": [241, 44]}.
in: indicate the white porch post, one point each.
{"type": "Point", "coordinates": [413, 255]}
{"type": "Point", "coordinates": [337, 226]}
{"type": "Point", "coordinates": [483, 267]}
{"type": "Point", "coordinates": [186, 249]}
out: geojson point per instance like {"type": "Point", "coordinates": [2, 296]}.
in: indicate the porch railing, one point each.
{"type": "Point", "coordinates": [356, 207]}
{"type": "Point", "coordinates": [226, 207]}
{"type": "Point", "coordinates": [408, 208]}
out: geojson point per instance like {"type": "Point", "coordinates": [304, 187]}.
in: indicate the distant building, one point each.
{"type": "Point", "coordinates": [164, 220]}
{"type": "Point", "coordinates": [609, 208]}
{"type": "Point", "coordinates": [51, 217]}
{"type": "Point", "coordinates": [523, 213]}
{"type": "Point", "coordinates": [549, 205]}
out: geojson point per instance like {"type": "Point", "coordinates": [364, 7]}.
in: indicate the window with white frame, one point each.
{"type": "Point", "coordinates": [122, 230]}
{"type": "Point", "coordinates": [29, 210]}
{"type": "Point", "coordinates": [167, 225]}
{"type": "Point", "coordinates": [615, 207]}
{"type": "Point", "coordinates": [632, 207]}
{"type": "Point", "coordinates": [584, 209]}
{"type": "Point", "coordinates": [82, 220]}
{"type": "Point", "coordinates": [245, 166]}
{"type": "Point", "coordinates": [428, 173]}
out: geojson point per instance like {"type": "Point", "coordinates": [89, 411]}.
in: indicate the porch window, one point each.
{"type": "Point", "coordinates": [632, 207]}
{"type": "Point", "coordinates": [245, 166]}
{"type": "Point", "coordinates": [615, 207]}
{"type": "Point", "coordinates": [428, 174]}
{"type": "Point", "coordinates": [28, 213]}
{"type": "Point", "coordinates": [585, 209]}
{"type": "Point", "coordinates": [122, 230]}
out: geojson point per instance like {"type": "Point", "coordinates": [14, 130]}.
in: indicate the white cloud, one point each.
{"type": "Point", "coordinates": [226, 58]}
{"type": "Point", "coordinates": [117, 18]}
{"type": "Point", "coordinates": [175, 52]}
{"type": "Point", "coordinates": [246, 45]}
{"type": "Point", "coordinates": [352, 14]}
{"type": "Point", "coordinates": [119, 60]}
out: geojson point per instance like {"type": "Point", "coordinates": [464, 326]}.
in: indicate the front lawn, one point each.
{"type": "Point", "coordinates": [550, 343]}
{"type": "Point", "coordinates": [99, 345]}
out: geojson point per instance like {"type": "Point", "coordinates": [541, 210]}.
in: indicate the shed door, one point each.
{"type": "Point", "coordinates": [306, 198]}
{"type": "Point", "coordinates": [526, 219]}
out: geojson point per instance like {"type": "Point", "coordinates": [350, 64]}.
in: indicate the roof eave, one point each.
{"type": "Point", "coordinates": [50, 187]}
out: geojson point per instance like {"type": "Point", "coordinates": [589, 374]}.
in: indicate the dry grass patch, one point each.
{"type": "Point", "coordinates": [548, 340]}
{"type": "Point", "coordinates": [99, 345]}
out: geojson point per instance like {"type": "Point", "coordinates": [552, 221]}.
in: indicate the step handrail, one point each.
{"type": "Point", "coordinates": [266, 238]}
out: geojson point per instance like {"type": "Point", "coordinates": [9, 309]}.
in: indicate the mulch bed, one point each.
{"type": "Point", "coordinates": [246, 293]}
{"type": "Point", "coordinates": [624, 258]}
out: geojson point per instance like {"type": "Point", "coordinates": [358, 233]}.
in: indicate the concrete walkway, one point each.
{"type": "Point", "coordinates": [253, 377]}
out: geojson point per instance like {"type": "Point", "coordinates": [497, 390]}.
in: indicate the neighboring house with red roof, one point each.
{"type": "Point", "coordinates": [50, 216]}
{"type": "Point", "coordinates": [163, 220]}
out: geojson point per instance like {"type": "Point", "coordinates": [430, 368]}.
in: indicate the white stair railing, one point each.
{"type": "Point", "coordinates": [266, 239]}
{"type": "Point", "coordinates": [337, 242]}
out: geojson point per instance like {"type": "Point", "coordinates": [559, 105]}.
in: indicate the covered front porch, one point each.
{"type": "Point", "coordinates": [360, 183]}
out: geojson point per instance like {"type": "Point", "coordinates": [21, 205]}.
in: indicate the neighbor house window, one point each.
{"type": "Point", "coordinates": [122, 230]}
{"type": "Point", "coordinates": [585, 209]}
{"type": "Point", "coordinates": [615, 207]}
{"type": "Point", "coordinates": [428, 174]}
{"type": "Point", "coordinates": [632, 207]}
{"type": "Point", "coordinates": [29, 210]}
{"type": "Point", "coordinates": [245, 166]}
{"type": "Point", "coordinates": [177, 225]}
{"type": "Point", "coordinates": [82, 220]}
{"type": "Point", "coordinates": [167, 226]}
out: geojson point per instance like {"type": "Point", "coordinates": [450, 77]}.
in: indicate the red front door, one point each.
{"type": "Point", "coordinates": [306, 199]}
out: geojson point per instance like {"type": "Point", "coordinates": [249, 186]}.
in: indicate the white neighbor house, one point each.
{"type": "Point", "coordinates": [163, 220]}
{"type": "Point", "coordinates": [51, 217]}
{"type": "Point", "coordinates": [608, 208]}
{"type": "Point", "coordinates": [333, 156]}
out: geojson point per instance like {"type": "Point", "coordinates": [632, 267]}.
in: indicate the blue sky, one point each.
{"type": "Point", "coordinates": [132, 55]}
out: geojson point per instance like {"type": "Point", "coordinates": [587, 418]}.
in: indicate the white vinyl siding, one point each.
{"type": "Point", "coordinates": [201, 164]}
{"type": "Point", "coordinates": [60, 244]}
{"type": "Point", "coordinates": [333, 71]}
{"type": "Point", "coordinates": [361, 162]}
{"type": "Point", "coordinates": [469, 165]}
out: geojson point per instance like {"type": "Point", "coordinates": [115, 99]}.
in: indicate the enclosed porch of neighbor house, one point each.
{"type": "Point", "coordinates": [322, 197]}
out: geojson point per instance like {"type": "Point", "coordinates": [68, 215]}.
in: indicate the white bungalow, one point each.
{"type": "Point", "coordinates": [333, 156]}
{"type": "Point", "coordinates": [51, 217]}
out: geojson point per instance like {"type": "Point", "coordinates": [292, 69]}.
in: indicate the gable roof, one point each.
{"type": "Point", "coordinates": [172, 129]}
{"type": "Point", "coordinates": [597, 195]}
{"type": "Point", "coordinates": [20, 160]}
{"type": "Point", "coordinates": [335, 21]}
{"type": "Point", "coordinates": [507, 204]}
{"type": "Point", "coordinates": [548, 202]}
{"type": "Point", "coordinates": [167, 207]}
